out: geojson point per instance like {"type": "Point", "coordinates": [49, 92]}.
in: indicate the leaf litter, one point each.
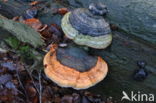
{"type": "Point", "coordinates": [18, 84]}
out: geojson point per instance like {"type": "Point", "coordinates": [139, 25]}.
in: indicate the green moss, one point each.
{"type": "Point", "coordinates": [25, 51]}
{"type": "Point", "coordinates": [27, 55]}
{"type": "Point", "coordinates": [13, 42]}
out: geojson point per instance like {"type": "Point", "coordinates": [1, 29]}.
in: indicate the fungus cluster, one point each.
{"type": "Point", "coordinates": [72, 66]}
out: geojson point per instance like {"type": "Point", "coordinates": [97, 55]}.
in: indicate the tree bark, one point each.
{"type": "Point", "coordinates": [11, 8]}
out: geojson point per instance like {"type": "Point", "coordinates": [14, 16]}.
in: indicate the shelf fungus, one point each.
{"type": "Point", "coordinates": [73, 67]}
{"type": "Point", "coordinates": [88, 27]}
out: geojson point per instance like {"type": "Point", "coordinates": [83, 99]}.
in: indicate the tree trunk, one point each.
{"type": "Point", "coordinates": [122, 58]}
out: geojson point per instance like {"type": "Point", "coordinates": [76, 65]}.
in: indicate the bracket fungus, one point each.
{"type": "Point", "coordinates": [88, 27]}
{"type": "Point", "coordinates": [73, 67]}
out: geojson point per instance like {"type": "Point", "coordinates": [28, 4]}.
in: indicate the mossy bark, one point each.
{"type": "Point", "coordinates": [136, 17]}
{"type": "Point", "coordinates": [12, 8]}
{"type": "Point", "coordinates": [122, 58]}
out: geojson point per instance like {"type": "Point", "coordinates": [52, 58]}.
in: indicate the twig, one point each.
{"type": "Point", "coordinates": [40, 88]}
{"type": "Point", "coordinates": [21, 84]}
{"type": "Point", "coordinates": [32, 80]}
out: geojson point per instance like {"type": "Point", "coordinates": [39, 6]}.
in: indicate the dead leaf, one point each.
{"type": "Point", "coordinates": [62, 11]}
{"type": "Point", "coordinates": [9, 65]}
{"type": "Point", "coordinates": [6, 95]}
{"type": "Point", "coordinates": [16, 18]}
{"type": "Point", "coordinates": [85, 100]}
{"type": "Point", "coordinates": [52, 33]}
{"type": "Point", "coordinates": [34, 3]}
{"type": "Point", "coordinates": [30, 13]}
{"type": "Point", "coordinates": [76, 98]}
{"type": "Point", "coordinates": [57, 99]}
{"type": "Point", "coordinates": [5, 78]}
{"type": "Point", "coordinates": [47, 94]}
{"type": "Point", "coordinates": [34, 23]}
{"type": "Point", "coordinates": [31, 91]}
{"type": "Point", "coordinates": [46, 33]}
{"type": "Point", "coordinates": [10, 85]}
{"type": "Point", "coordinates": [67, 99]}
{"type": "Point", "coordinates": [5, 1]}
